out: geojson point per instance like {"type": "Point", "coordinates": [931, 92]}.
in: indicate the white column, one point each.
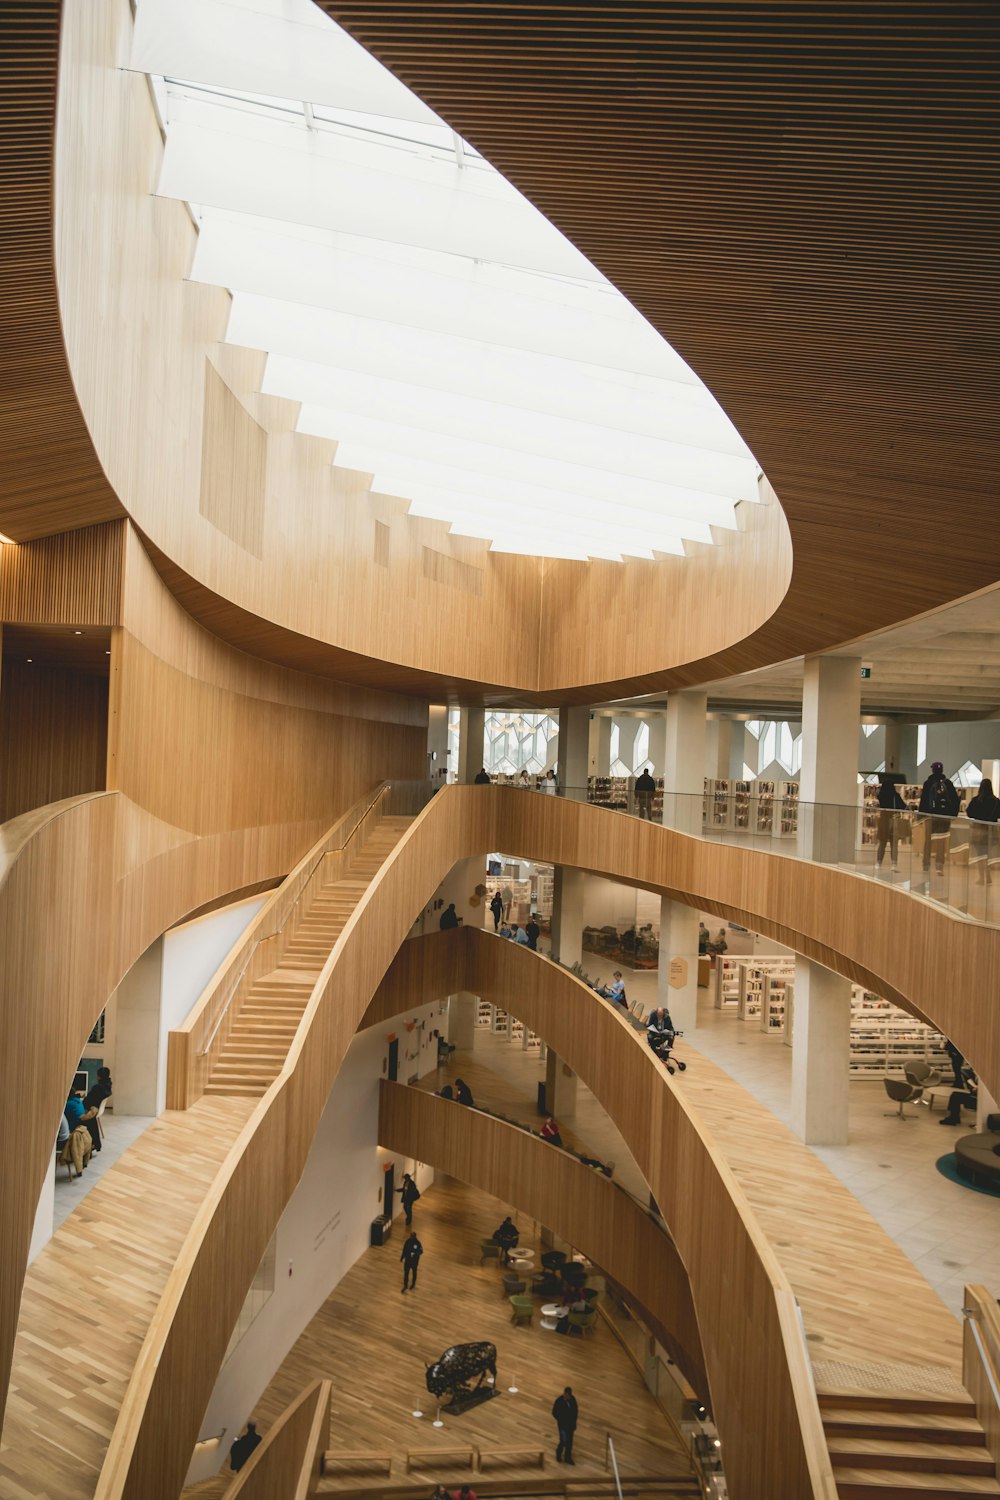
{"type": "Point", "coordinates": [560, 1087]}
{"type": "Point", "coordinates": [600, 745]}
{"type": "Point", "coordinates": [658, 742]}
{"type": "Point", "coordinates": [684, 769]}
{"type": "Point", "coordinates": [677, 971]}
{"type": "Point", "coordinates": [567, 915]}
{"type": "Point", "coordinates": [137, 1022]}
{"type": "Point", "coordinates": [574, 751]}
{"type": "Point", "coordinates": [462, 1020]}
{"type": "Point", "coordinates": [821, 1047]}
{"type": "Point", "coordinates": [437, 743]}
{"type": "Point", "coordinates": [737, 749]}
{"type": "Point", "coordinates": [831, 712]}
{"type": "Point", "coordinates": [901, 748]}
{"type": "Point", "coordinates": [471, 730]}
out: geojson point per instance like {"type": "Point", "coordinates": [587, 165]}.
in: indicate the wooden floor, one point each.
{"type": "Point", "coordinates": [372, 1343]}
{"type": "Point", "coordinates": [872, 1320]}
{"type": "Point", "coordinates": [89, 1296]}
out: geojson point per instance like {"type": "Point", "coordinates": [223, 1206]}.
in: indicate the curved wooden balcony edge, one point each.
{"type": "Point", "coordinates": [87, 885]}
{"type": "Point", "coordinates": [581, 1205]}
{"type": "Point", "coordinates": [288, 1461]}
{"type": "Point", "coordinates": [752, 1339]}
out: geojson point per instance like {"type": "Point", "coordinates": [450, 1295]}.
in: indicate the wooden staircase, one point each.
{"type": "Point", "coordinates": [907, 1447]}
{"type": "Point", "coordinates": [265, 1024]}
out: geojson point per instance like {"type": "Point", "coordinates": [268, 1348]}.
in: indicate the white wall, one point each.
{"type": "Point", "coordinates": [325, 1227]}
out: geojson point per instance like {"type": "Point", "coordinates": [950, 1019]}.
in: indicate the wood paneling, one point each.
{"type": "Point", "coordinates": [286, 1466]}
{"type": "Point", "coordinates": [981, 1375]}
{"type": "Point", "coordinates": [233, 466]}
{"type": "Point", "coordinates": [578, 1204]}
{"type": "Point", "coordinates": [72, 579]}
{"type": "Point", "coordinates": [53, 735]}
{"type": "Point", "coordinates": [768, 185]}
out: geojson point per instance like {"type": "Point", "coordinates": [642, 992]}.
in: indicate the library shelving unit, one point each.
{"type": "Point", "coordinates": [789, 813]}
{"type": "Point", "coordinates": [764, 821]}
{"type": "Point", "coordinates": [727, 983]}
{"type": "Point", "coordinates": [484, 1015]}
{"type": "Point", "coordinates": [609, 791]}
{"type": "Point", "coordinates": [884, 1038]}
{"type": "Point", "coordinates": [762, 979]}
{"type": "Point", "coordinates": [742, 791]}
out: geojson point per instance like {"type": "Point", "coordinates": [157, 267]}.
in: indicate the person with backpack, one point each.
{"type": "Point", "coordinates": [645, 787]}
{"type": "Point", "coordinates": [941, 801]}
{"type": "Point", "coordinates": [409, 1193]}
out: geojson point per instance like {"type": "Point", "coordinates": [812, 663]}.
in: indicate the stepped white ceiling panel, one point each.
{"type": "Point", "coordinates": [288, 50]}
{"type": "Point", "coordinates": [425, 317]}
{"type": "Point", "coordinates": [247, 161]}
{"type": "Point", "coordinates": [439, 292]}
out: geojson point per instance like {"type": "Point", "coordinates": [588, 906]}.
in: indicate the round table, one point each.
{"type": "Point", "coordinates": [522, 1257]}
{"type": "Point", "coordinates": [551, 1313]}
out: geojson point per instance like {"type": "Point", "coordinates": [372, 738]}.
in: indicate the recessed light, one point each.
{"type": "Point", "coordinates": [78, 632]}
{"type": "Point", "coordinates": [30, 660]}
{"type": "Point", "coordinates": [108, 652]}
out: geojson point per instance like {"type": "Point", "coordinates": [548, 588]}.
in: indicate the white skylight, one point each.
{"type": "Point", "coordinates": [428, 319]}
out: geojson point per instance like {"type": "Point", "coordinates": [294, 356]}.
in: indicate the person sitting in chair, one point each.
{"type": "Point", "coordinates": [660, 1030]}
{"type": "Point", "coordinates": [966, 1098]}
{"type": "Point", "coordinates": [506, 1236]}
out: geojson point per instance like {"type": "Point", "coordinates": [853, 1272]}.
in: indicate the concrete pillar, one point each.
{"type": "Point", "coordinates": [137, 1023]}
{"type": "Point", "coordinates": [462, 1020]}
{"type": "Point", "coordinates": [678, 946]}
{"type": "Point", "coordinates": [567, 915]}
{"type": "Point", "coordinates": [471, 730]}
{"type": "Point", "coordinates": [901, 749]}
{"type": "Point", "coordinates": [600, 744]}
{"type": "Point", "coordinates": [684, 769]}
{"type": "Point", "coordinates": [437, 743]}
{"type": "Point", "coordinates": [821, 1048]}
{"type": "Point", "coordinates": [831, 712]}
{"type": "Point", "coordinates": [737, 749]}
{"type": "Point", "coordinates": [628, 728]}
{"type": "Point", "coordinates": [658, 742]}
{"type": "Point", "coordinates": [560, 1087]}
{"type": "Point", "coordinates": [574, 751]}
{"type": "Point", "coordinates": [725, 758]}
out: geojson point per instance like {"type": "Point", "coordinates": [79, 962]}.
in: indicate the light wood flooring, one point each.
{"type": "Point", "coordinates": [373, 1342]}
{"type": "Point", "coordinates": [864, 1303]}
{"type": "Point", "coordinates": [90, 1294]}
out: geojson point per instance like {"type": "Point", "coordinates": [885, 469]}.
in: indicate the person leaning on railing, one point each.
{"type": "Point", "coordinates": [890, 805]}
{"type": "Point", "coordinates": [981, 811]}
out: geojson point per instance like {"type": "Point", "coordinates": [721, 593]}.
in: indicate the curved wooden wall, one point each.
{"type": "Point", "coordinates": [582, 1206]}
{"type": "Point", "coordinates": [288, 1463]}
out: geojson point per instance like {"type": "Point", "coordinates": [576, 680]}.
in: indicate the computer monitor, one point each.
{"type": "Point", "coordinates": [81, 1082]}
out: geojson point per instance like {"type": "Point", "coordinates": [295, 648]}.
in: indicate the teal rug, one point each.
{"type": "Point", "coordinates": [946, 1166]}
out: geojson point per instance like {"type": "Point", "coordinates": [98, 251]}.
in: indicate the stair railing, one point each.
{"type": "Point", "coordinates": [191, 1045]}
{"type": "Point", "coordinates": [981, 1359]}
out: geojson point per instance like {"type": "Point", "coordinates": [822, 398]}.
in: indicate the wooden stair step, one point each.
{"type": "Point", "coordinates": [235, 1090]}
{"type": "Point", "coordinates": [891, 1484]}
{"type": "Point", "coordinates": [941, 1406]}
{"type": "Point", "coordinates": [902, 1426]}
{"type": "Point", "coordinates": [932, 1457]}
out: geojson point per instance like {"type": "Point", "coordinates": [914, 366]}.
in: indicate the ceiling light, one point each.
{"type": "Point", "coordinates": [78, 632]}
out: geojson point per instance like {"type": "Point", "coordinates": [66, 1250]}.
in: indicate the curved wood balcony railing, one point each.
{"type": "Point", "coordinates": [746, 1314]}
{"type": "Point", "coordinates": [582, 1206]}
{"type": "Point", "coordinates": [289, 1461]}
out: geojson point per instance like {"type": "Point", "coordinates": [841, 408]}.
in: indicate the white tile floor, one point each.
{"type": "Point", "coordinates": [950, 1232]}
{"type": "Point", "coordinates": [119, 1133]}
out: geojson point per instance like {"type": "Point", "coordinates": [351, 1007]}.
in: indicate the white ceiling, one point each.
{"type": "Point", "coordinates": [427, 318]}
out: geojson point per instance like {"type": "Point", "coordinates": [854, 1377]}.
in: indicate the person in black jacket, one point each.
{"type": "Point", "coordinates": [409, 1193]}
{"type": "Point", "coordinates": [981, 811]}
{"type": "Point", "coordinates": [890, 803]}
{"type": "Point", "coordinates": [496, 907]}
{"type": "Point", "coordinates": [481, 778]}
{"type": "Point", "coordinates": [645, 786]}
{"type": "Point", "coordinates": [243, 1447]}
{"type": "Point", "coordinates": [965, 1098]}
{"type": "Point", "coordinates": [566, 1411]}
{"type": "Point", "coordinates": [93, 1100]}
{"type": "Point", "coordinates": [412, 1251]}
{"type": "Point", "coordinates": [449, 918]}
{"type": "Point", "coordinates": [506, 1236]}
{"type": "Point", "coordinates": [939, 798]}
{"type": "Point", "coordinates": [533, 931]}
{"type": "Point", "coordinates": [463, 1093]}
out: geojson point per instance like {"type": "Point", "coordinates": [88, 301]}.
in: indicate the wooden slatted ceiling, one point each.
{"type": "Point", "coordinates": [796, 196]}
{"type": "Point", "coordinates": [52, 479]}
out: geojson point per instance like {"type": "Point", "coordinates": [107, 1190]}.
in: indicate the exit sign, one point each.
{"type": "Point", "coordinates": [866, 672]}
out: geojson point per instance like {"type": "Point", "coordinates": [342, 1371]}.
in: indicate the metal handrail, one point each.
{"type": "Point", "coordinates": [971, 1316]}
{"type": "Point", "coordinates": [314, 866]}
{"type": "Point", "coordinates": [610, 1449]}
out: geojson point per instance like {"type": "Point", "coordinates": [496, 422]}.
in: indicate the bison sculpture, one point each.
{"type": "Point", "coordinates": [453, 1372]}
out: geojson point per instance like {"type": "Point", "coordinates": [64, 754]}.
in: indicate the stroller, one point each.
{"type": "Point", "coordinates": [662, 1045]}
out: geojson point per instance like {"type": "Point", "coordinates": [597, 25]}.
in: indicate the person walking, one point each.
{"type": "Point", "coordinates": [566, 1411]}
{"type": "Point", "coordinates": [496, 907]}
{"type": "Point", "coordinates": [890, 803]}
{"type": "Point", "coordinates": [533, 932]}
{"type": "Point", "coordinates": [983, 810]}
{"type": "Point", "coordinates": [411, 1253]}
{"type": "Point", "coordinates": [645, 786]}
{"type": "Point", "coordinates": [940, 800]}
{"type": "Point", "coordinates": [409, 1193]}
